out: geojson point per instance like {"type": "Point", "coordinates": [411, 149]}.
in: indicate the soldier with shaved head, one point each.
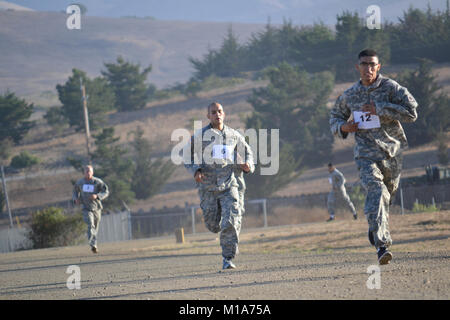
{"type": "Point", "coordinates": [90, 191]}
{"type": "Point", "coordinates": [219, 157]}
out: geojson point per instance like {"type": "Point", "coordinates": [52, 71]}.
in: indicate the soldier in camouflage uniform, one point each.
{"type": "Point", "coordinates": [213, 162]}
{"type": "Point", "coordinates": [337, 181]}
{"type": "Point", "coordinates": [378, 151]}
{"type": "Point", "coordinates": [90, 191]}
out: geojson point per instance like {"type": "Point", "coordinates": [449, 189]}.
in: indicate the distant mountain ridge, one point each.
{"type": "Point", "coordinates": [247, 11]}
{"type": "Point", "coordinates": [4, 5]}
{"type": "Point", "coordinates": [37, 50]}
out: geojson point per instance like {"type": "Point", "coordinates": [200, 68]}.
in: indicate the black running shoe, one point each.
{"type": "Point", "coordinates": [384, 256]}
{"type": "Point", "coordinates": [330, 219]}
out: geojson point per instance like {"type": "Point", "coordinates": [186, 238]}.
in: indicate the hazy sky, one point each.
{"type": "Point", "coordinates": [246, 11]}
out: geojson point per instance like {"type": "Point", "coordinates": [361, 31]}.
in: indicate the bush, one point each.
{"type": "Point", "coordinates": [24, 160]}
{"type": "Point", "coordinates": [52, 228]}
{"type": "Point", "coordinates": [418, 207]}
{"type": "Point", "coordinates": [357, 195]}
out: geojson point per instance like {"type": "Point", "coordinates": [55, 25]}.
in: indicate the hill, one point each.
{"type": "Point", "coordinates": [38, 51]}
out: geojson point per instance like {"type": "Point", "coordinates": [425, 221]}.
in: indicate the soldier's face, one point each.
{"type": "Point", "coordinates": [216, 115]}
{"type": "Point", "coordinates": [368, 68]}
{"type": "Point", "coordinates": [88, 173]}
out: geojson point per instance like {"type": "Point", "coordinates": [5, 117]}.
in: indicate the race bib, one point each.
{"type": "Point", "coordinates": [223, 152]}
{"type": "Point", "coordinates": [88, 188]}
{"type": "Point", "coordinates": [366, 120]}
{"type": "Point", "coordinates": [331, 181]}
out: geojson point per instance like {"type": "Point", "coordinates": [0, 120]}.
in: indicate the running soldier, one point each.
{"type": "Point", "coordinates": [337, 181]}
{"type": "Point", "coordinates": [379, 146]}
{"type": "Point", "coordinates": [214, 153]}
{"type": "Point", "coordinates": [90, 191]}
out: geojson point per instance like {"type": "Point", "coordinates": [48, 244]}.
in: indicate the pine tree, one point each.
{"type": "Point", "coordinates": [128, 83]}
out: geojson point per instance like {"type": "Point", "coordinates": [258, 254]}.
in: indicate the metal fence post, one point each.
{"type": "Point", "coordinates": [193, 219]}
{"type": "Point", "coordinates": [265, 213]}
{"type": "Point", "coordinates": [401, 200]}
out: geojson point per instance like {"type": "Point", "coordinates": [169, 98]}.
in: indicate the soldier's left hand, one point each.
{"type": "Point", "coordinates": [370, 108]}
{"type": "Point", "coordinates": [94, 196]}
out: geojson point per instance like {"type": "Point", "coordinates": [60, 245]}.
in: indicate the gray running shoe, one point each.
{"type": "Point", "coordinates": [228, 264]}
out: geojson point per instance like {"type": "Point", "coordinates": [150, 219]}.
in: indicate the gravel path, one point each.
{"type": "Point", "coordinates": [288, 262]}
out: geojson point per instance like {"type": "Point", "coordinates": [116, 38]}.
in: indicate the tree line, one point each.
{"type": "Point", "coordinates": [317, 47]}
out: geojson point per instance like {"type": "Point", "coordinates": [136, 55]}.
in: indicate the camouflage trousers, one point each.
{"type": "Point", "coordinates": [340, 193]}
{"type": "Point", "coordinates": [92, 219]}
{"type": "Point", "coordinates": [381, 180]}
{"type": "Point", "coordinates": [222, 213]}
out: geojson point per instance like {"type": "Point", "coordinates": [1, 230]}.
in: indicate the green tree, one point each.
{"type": "Point", "coordinates": [149, 175]}
{"type": "Point", "coordinates": [24, 160]}
{"type": "Point", "coordinates": [224, 62]}
{"type": "Point", "coordinates": [50, 227]}
{"type": "Point", "coordinates": [55, 118]}
{"type": "Point", "coordinates": [295, 103]}
{"type": "Point", "coordinates": [14, 115]}
{"type": "Point", "coordinates": [421, 34]}
{"type": "Point", "coordinates": [128, 83]}
{"type": "Point", "coordinates": [114, 167]}
{"type": "Point", "coordinates": [100, 99]}
{"type": "Point", "coordinates": [433, 111]}
{"type": "Point", "coordinates": [263, 186]}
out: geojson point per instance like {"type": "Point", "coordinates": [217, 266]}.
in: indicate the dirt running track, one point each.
{"type": "Point", "coordinates": [311, 261]}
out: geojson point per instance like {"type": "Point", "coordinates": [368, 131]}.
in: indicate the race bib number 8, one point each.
{"type": "Point", "coordinates": [223, 152]}
{"type": "Point", "coordinates": [366, 120]}
{"type": "Point", "coordinates": [88, 188]}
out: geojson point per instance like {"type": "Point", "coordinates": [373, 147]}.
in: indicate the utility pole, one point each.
{"type": "Point", "coordinates": [6, 198]}
{"type": "Point", "coordinates": [86, 118]}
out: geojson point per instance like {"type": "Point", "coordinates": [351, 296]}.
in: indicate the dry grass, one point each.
{"type": "Point", "coordinates": [410, 232]}
{"type": "Point", "coordinates": [420, 232]}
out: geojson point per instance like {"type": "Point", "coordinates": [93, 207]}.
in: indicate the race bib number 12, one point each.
{"type": "Point", "coordinates": [366, 120]}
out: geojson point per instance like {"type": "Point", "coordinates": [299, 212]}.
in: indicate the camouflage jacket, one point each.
{"type": "Point", "coordinates": [214, 153]}
{"type": "Point", "coordinates": [83, 189]}
{"type": "Point", "coordinates": [393, 104]}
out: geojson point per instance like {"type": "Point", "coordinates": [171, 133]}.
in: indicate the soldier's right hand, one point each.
{"type": "Point", "coordinates": [350, 126]}
{"type": "Point", "coordinates": [198, 177]}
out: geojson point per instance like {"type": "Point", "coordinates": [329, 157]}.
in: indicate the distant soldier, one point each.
{"type": "Point", "coordinates": [337, 181]}
{"type": "Point", "coordinates": [90, 191]}
{"type": "Point", "coordinates": [221, 196]}
{"type": "Point", "coordinates": [379, 144]}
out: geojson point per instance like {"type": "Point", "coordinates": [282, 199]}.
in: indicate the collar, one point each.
{"type": "Point", "coordinates": [373, 86]}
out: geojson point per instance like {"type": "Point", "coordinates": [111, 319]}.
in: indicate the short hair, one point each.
{"type": "Point", "coordinates": [330, 165]}
{"type": "Point", "coordinates": [368, 53]}
{"type": "Point", "coordinates": [213, 104]}
{"type": "Point", "coordinates": [89, 167]}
